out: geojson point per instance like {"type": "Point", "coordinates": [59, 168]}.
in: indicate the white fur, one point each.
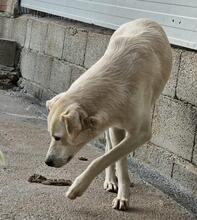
{"type": "Point", "coordinates": [118, 93]}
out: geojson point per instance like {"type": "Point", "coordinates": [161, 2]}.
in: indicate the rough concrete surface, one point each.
{"type": "Point", "coordinates": [171, 84]}
{"type": "Point", "coordinates": [155, 157]}
{"type": "Point", "coordinates": [24, 141]}
{"type": "Point", "coordinates": [96, 47]}
{"type": "Point", "coordinates": [60, 76]}
{"type": "Point", "coordinates": [186, 175]}
{"type": "Point", "coordinates": [74, 46]}
{"type": "Point", "coordinates": [54, 41]}
{"type": "Point", "coordinates": [38, 36]}
{"type": "Point", "coordinates": [174, 125]}
{"type": "Point", "coordinates": [195, 150]}
{"type": "Point", "coordinates": [187, 86]}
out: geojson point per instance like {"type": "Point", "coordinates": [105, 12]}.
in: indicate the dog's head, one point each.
{"type": "Point", "coordinates": [70, 129]}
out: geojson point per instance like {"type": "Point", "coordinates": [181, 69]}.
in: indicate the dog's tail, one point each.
{"type": "Point", "coordinates": [2, 160]}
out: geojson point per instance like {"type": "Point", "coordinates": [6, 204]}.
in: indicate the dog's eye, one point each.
{"type": "Point", "coordinates": [57, 138]}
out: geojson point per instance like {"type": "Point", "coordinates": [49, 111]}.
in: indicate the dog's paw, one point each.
{"type": "Point", "coordinates": [76, 189]}
{"type": "Point", "coordinates": [73, 193]}
{"type": "Point", "coordinates": [120, 203]}
{"type": "Point", "coordinates": [110, 186]}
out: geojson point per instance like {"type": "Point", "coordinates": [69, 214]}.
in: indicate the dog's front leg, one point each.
{"type": "Point", "coordinates": [82, 182]}
{"type": "Point", "coordinates": [128, 144]}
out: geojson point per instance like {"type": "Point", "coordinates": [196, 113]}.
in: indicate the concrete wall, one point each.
{"type": "Point", "coordinates": [55, 53]}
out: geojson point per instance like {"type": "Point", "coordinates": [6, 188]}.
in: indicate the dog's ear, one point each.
{"type": "Point", "coordinates": [91, 122]}
{"type": "Point", "coordinates": [49, 103]}
{"type": "Point", "coordinates": [74, 118]}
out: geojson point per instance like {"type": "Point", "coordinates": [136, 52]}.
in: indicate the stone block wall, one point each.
{"type": "Point", "coordinates": [55, 53]}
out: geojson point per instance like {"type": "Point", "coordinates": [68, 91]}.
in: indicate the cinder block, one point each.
{"type": "Point", "coordinates": [156, 158]}
{"type": "Point", "coordinates": [35, 90]}
{"type": "Point", "coordinates": [77, 71]}
{"type": "Point", "coordinates": [28, 33]}
{"type": "Point", "coordinates": [43, 70]}
{"type": "Point", "coordinates": [96, 46]}
{"type": "Point", "coordinates": [47, 94]}
{"type": "Point", "coordinates": [7, 27]}
{"type": "Point", "coordinates": [186, 175]}
{"type": "Point", "coordinates": [1, 26]}
{"type": "Point", "coordinates": [38, 35]}
{"type": "Point", "coordinates": [31, 88]}
{"type": "Point", "coordinates": [195, 151]}
{"type": "Point", "coordinates": [74, 46]}
{"type": "Point", "coordinates": [171, 84]}
{"type": "Point", "coordinates": [19, 30]}
{"type": "Point", "coordinates": [55, 40]}
{"type": "Point", "coordinates": [60, 76]}
{"type": "Point", "coordinates": [7, 52]}
{"type": "Point", "coordinates": [174, 126]}
{"type": "Point", "coordinates": [28, 64]}
{"type": "Point", "coordinates": [187, 86]}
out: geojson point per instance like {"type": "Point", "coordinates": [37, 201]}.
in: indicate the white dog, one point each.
{"type": "Point", "coordinates": [118, 93]}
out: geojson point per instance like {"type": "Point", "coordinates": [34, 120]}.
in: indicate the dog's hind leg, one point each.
{"type": "Point", "coordinates": [121, 202]}
{"type": "Point", "coordinates": [110, 183]}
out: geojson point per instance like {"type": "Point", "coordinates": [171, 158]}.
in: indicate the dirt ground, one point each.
{"type": "Point", "coordinates": [24, 141]}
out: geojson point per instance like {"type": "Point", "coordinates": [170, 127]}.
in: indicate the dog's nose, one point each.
{"type": "Point", "coordinates": [49, 162]}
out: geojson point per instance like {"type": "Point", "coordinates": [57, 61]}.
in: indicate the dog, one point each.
{"type": "Point", "coordinates": [115, 95]}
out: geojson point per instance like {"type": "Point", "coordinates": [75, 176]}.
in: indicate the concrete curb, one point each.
{"type": "Point", "coordinates": [168, 186]}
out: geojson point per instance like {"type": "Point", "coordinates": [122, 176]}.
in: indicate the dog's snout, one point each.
{"type": "Point", "coordinates": [49, 162]}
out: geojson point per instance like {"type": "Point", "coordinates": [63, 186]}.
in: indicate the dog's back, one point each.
{"type": "Point", "coordinates": [137, 61]}
{"type": "Point", "coordinates": [143, 48]}
{"type": "Point", "coordinates": [117, 93]}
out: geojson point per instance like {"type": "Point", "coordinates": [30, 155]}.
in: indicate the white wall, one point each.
{"type": "Point", "coordinates": [178, 17]}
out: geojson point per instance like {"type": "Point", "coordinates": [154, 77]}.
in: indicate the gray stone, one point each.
{"type": "Point", "coordinates": [55, 40]}
{"type": "Point", "coordinates": [7, 27]}
{"type": "Point", "coordinates": [74, 46]}
{"type": "Point", "coordinates": [8, 77]}
{"type": "Point", "coordinates": [35, 90]}
{"type": "Point", "coordinates": [156, 158]}
{"type": "Point", "coordinates": [28, 64]}
{"type": "Point", "coordinates": [47, 94]}
{"type": "Point", "coordinates": [19, 30]}
{"type": "Point", "coordinates": [186, 175]}
{"type": "Point", "coordinates": [1, 26]}
{"type": "Point", "coordinates": [31, 88]}
{"type": "Point", "coordinates": [187, 86]}
{"type": "Point", "coordinates": [28, 33]}
{"type": "Point", "coordinates": [43, 70]}
{"type": "Point", "coordinates": [38, 35]}
{"type": "Point", "coordinates": [96, 46]}
{"type": "Point", "coordinates": [7, 52]}
{"type": "Point", "coordinates": [77, 71]}
{"type": "Point", "coordinates": [194, 160]}
{"type": "Point", "coordinates": [60, 76]}
{"type": "Point", "coordinates": [174, 126]}
{"type": "Point", "coordinates": [171, 84]}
